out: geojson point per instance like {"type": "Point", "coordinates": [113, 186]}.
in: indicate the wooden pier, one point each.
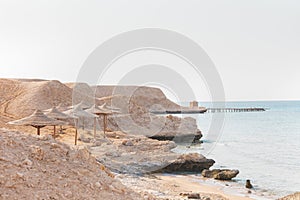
{"type": "Point", "coordinates": [214, 110]}
{"type": "Point", "coordinates": [208, 110]}
{"type": "Point", "coordinates": [183, 111]}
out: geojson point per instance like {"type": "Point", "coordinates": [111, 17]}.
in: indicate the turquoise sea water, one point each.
{"type": "Point", "coordinates": [264, 146]}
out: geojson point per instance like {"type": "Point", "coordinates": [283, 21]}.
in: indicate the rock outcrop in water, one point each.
{"type": "Point", "coordinates": [220, 174]}
{"type": "Point", "coordinates": [194, 163]}
{"type": "Point", "coordinates": [248, 184]}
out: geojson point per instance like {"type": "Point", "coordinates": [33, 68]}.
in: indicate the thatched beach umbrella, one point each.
{"type": "Point", "coordinates": [54, 113]}
{"type": "Point", "coordinates": [37, 120]}
{"type": "Point", "coordinates": [104, 111]}
{"type": "Point", "coordinates": [94, 110]}
{"type": "Point", "coordinates": [78, 112]}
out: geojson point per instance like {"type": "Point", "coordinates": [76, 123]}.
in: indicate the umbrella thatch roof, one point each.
{"type": "Point", "coordinates": [61, 107]}
{"type": "Point", "coordinates": [108, 97]}
{"type": "Point", "coordinates": [95, 110]}
{"type": "Point", "coordinates": [111, 108]}
{"type": "Point", "coordinates": [100, 110]}
{"type": "Point", "coordinates": [56, 114]}
{"type": "Point", "coordinates": [79, 112]}
{"type": "Point", "coordinates": [37, 119]}
{"type": "Point", "coordinates": [82, 105]}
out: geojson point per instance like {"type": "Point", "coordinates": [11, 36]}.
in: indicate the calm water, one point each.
{"type": "Point", "coordinates": [264, 146]}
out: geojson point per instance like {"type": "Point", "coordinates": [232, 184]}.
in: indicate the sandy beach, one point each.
{"type": "Point", "coordinates": [178, 187]}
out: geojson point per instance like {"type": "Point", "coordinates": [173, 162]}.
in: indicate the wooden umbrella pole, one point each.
{"type": "Point", "coordinates": [99, 121]}
{"type": "Point", "coordinates": [104, 125]}
{"type": "Point", "coordinates": [54, 131]}
{"type": "Point", "coordinates": [75, 136]}
{"type": "Point", "coordinates": [38, 130]}
{"type": "Point", "coordinates": [106, 121]}
{"type": "Point", "coordinates": [95, 127]}
{"type": "Point", "coordinates": [83, 123]}
{"type": "Point", "coordinates": [76, 132]}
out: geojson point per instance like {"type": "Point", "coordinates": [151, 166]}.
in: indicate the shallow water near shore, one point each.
{"type": "Point", "coordinates": [264, 146]}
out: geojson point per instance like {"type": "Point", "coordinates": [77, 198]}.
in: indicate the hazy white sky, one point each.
{"type": "Point", "coordinates": [254, 44]}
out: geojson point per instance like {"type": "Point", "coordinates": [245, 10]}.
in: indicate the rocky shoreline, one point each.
{"type": "Point", "coordinates": [139, 155]}
{"type": "Point", "coordinates": [136, 147]}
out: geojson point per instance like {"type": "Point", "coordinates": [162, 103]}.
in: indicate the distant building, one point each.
{"type": "Point", "coordinates": [194, 104]}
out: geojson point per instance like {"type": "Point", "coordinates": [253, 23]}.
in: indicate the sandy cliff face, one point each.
{"type": "Point", "coordinates": [20, 98]}
{"type": "Point", "coordinates": [25, 95]}
{"type": "Point", "coordinates": [82, 92]}
{"type": "Point", "coordinates": [146, 97]}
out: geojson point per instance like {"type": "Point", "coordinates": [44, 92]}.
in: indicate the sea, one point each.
{"type": "Point", "coordinates": [263, 146]}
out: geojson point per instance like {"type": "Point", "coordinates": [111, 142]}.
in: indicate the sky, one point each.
{"type": "Point", "coordinates": [254, 44]}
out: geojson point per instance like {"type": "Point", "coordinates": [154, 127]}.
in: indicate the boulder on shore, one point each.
{"type": "Point", "coordinates": [192, 162]}
{"type": "Point", "coordinates": [220, 174]}
{"type": "Point", "coordinates": [178, 138]}
{"type": "Point", "coordinates": [248, 184]}
{"type": "Point", "coordinates": [179, 130]}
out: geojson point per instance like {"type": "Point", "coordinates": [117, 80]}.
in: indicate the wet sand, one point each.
{"type": "Point", "coordinates": [174, 187]}
{"type": "Point", "coordinates": [187, 185]}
